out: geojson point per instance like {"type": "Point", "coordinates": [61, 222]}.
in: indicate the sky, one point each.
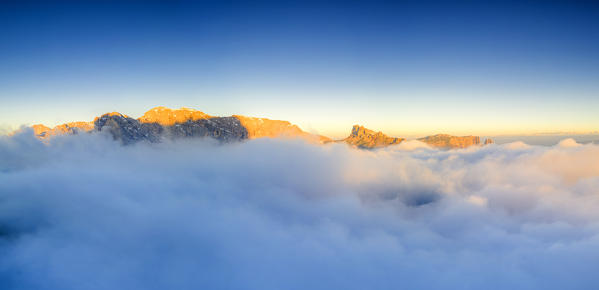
{"type": "Point", "coordinates": [409, 68]}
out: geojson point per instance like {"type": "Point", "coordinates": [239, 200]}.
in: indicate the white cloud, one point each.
{"type": "Point", "coordinates": [569, 142]}
{"type": "Point", "coordinates": [86, 213]}
{"type": "Point", "coordinates": [410, 145]}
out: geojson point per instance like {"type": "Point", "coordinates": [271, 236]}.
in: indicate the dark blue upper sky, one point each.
{"type": "Point", "coordinates": [406, 68]}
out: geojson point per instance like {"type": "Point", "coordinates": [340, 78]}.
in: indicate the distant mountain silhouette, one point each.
{"type": "Point", "coordinates": [448, 141]}
{"type": "Point", "coordinates": [163, 123]}
{"type": "Point", "coordinates": [364, 138]}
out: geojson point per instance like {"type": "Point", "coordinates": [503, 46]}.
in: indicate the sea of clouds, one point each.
{"type": "Point", "coordinates": [83, 212]}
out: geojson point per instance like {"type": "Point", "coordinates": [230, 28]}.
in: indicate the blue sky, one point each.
{"type": "Point", "coordinates": [412, 68]}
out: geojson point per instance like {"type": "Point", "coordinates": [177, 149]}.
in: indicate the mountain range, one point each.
{"type": "Point", "coordinates": [163, 123]}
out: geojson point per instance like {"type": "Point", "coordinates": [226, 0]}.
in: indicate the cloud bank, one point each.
{"type": "Point", "coordinates": [84, 212]}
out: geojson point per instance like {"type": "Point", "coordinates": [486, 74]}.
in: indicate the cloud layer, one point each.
{"type": "Point", "coordinates": [84, 212]}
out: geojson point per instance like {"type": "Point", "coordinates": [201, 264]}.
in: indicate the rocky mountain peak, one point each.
{"type": "Point", "coordinates": [44, 132]}
{"type": "Point", "coordinates": [366, 138]}
{"type": "Point", "coordinates": [360, 131]}
{"type": "Point", "coordinates": [116, 114]}
{"type": "Point", "coordinates": [169, 117]}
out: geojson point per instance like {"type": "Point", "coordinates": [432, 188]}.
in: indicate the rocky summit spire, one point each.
{"type": "Point", "coordinates": [361, 131]}
{"type": "Point", "coordinates": [364, 138]}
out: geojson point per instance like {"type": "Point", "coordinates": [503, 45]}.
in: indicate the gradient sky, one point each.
{"type": "Point", "coordinates": [407, 69]}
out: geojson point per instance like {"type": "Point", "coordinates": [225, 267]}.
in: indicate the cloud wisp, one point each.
{"type": "Point", "coordinates": [84, 212]}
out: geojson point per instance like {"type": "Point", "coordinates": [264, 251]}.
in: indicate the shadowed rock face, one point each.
{"type": "Point", "coordinates": [365, 138]}
{"type": "Point", "coordinates": [224, 129]}
{"type": "Point", "coordinates": [448, 141]}
{"type": "Point", "coordinates": [128, 130]}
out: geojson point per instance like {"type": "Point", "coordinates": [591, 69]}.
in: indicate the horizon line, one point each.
{"type": "Point", "coordinates": [7, 128]}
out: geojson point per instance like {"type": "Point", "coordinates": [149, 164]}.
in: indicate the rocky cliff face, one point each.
{"type": "Point", "coordinates": [128, 130]}
{"type": "Point", "coordinates": [448, 141]}
{"type": "Point", "coordinates": [365, 138]}
{"type": "Point", "coordinates": [125, 129]}
{"type": "Point", "coordinates": [164, 123]}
